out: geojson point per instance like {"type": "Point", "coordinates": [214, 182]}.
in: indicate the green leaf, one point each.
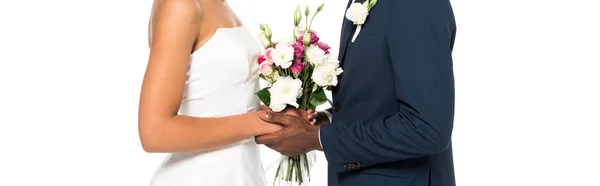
{"type": "Point", "coordinates": [262, 76]}
{"type": "Point", "coordinates": [315, 87]}
{"type": "Point", "coordinates": [318, 97]}
{"type": "Point", "coordinates": [264, 96]}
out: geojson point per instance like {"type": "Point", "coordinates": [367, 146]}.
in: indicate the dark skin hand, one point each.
{"type": "Point", "coordinates": [317, 118]}
{"type": "Point", "coordinates": [297, 136]}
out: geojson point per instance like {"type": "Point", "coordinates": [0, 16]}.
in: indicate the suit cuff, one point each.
{"type": "Point", "coordinates": [320, 138]}
{"type": "Point", "coordinates": [330, 146]}
{"type": "Point", "coordinates": [328, 114]}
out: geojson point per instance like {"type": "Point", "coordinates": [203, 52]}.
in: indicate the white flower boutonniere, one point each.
{"type": "Point", "coordinates": [357, 13]}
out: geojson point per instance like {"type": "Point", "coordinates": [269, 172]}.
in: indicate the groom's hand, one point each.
{"type": "Point", "coordinates": [298, 135]}
{"type": "Point", "coordinates": [310, 114]}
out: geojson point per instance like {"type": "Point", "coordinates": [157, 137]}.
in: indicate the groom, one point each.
{"type": "Point", "coordinates": [393, 108]}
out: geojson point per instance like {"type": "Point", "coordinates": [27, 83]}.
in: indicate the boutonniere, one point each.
{"type": "Point", "coordinates": [357, 13]}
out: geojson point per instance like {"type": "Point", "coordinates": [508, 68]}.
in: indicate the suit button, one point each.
{"type": "Point", "coordinates": [336, 107]}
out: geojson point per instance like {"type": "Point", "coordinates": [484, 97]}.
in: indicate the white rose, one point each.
{"type": "Point", "coordinates": [357, 13]}
{"type": "Point", "coordinates": [264, 41]}
{"type": "Point", "coordinates": [282, 55]}
{"type": "Point", "coordinates": [315, 55]}
{"type": "Point", "coordinates": [285, 91]}
{"type": "Point", "coordinates": [326, 73]}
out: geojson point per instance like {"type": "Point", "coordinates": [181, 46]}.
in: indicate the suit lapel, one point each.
{"type": "Point", "coordinates": [347, 29]}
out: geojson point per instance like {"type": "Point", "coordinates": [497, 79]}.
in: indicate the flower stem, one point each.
{"type": "Point", "coordinates": [295, 36]}
{"type": "Point", "coordinates": [306, 165]}
{"type": "Point", "coordinates": [277, 173]}
{"type": "Point", "coordinates": [298, 169]}
{"type": "Point", "coordinates": [311, 20]}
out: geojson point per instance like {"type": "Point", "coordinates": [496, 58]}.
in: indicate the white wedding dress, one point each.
{"type": "Point", "coordinates": [221, 81]}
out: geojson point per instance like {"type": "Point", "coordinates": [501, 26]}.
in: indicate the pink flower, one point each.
{"type": "Point", "coordinates": [298, 49]}
{"type": "Point", "coordinates": [261, 59]}
{"type": "Point", "coordinates": [268, 54]}
{"type": "Point", "coordinates": [266, 69]}
{"type": "Point", "coordinates": [323, 46]}
{"type": "Point", "coordinates": [297, 66]}
{"type": "Point", "coordinates": [313, 38]}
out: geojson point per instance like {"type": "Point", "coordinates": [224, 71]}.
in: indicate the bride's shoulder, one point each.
{"type": "Point", "coordinates": [173, 16]}
{"type": "Point", "coordinates": [187, 8]}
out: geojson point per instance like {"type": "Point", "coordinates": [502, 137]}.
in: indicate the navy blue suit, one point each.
{"type": "Point", "coordinates": [393, 108]}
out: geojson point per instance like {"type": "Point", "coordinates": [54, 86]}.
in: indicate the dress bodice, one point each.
{"type": "Point", "coordinates": [223, 75]}
{"type": "Point", "coordinates": [222, 80]}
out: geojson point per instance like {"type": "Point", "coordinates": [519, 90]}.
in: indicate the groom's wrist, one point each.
{"type": "Point", "coordinates": [323, 118]}
{"type": "Point", "coordinates": [326, 115]}
{"type": "Point", "coordinates": [317, 145]}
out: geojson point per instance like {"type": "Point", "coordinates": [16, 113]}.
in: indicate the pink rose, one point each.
{"type": "Point", "coordinates": [298, 49]}
{"type": "Point", "coordinates": [297, 66]}
{"type": "Point", "coordinates": [323, 46]}
{"type": "Point", "coordinates": [268, 54]}
{"type": "Point", "coordinates": [261, 59]}
{"type": "Point", "coordinates": [266, 69]}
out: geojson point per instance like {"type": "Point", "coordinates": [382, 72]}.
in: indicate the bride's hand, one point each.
{"type": "Point", "coordinates": [309, 114]}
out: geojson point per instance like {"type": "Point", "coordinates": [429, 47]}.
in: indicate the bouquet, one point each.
{"type": "Point", "coordinates": [298, 71]}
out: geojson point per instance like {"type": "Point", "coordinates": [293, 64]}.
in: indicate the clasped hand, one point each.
{"type": "Point", "coordinates": [298, 135]}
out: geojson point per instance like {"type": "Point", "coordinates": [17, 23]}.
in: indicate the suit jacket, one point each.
{"type": "Point", "coordinates": [393, 108]}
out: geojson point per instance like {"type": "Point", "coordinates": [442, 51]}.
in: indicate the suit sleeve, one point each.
{"type": "Point", "coordinates": [420, 44]}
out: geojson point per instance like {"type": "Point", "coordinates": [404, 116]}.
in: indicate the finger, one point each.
{"type": "Point", "coordinates": [311, 117]}
{"type": "Point", "coordinates": [264, 107]}
{"type": "Point", "coordinates": [276, 117]}
{"type": "Point", "coordinates": [266, 139]}
{"type": "Point", "coordinates": [310, 111]}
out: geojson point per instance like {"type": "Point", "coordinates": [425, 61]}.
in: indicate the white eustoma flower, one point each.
{"type": "Point", "coordinates": [315, 55]}
{"type": "Point", "coordinates": [282, 55]}
{"type": "Point", "coordinates": [285, 91]}
{"type": "Point", "coordinates": [325, 74]}
{"type": "Point", "coordinates": [300, 31]}
{"type": "Point", "coordinates": [357, 13]}
{"type": "Point", "coordinates": [264, 41]}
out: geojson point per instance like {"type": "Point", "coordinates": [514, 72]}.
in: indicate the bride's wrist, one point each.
{"type": "Point", "coordinates": [259, 126]}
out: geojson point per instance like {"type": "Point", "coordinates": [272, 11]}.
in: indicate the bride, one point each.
{"type": "Point", "coordinates": [197, 101]}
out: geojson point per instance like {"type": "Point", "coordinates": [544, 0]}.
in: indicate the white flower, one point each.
{"type": "Point", "coordinates": [282, 55]}
{"type": "Point", "coordinates": [287, 40]}
{"type": "Point", "coordinates": [325, 74]}
{"type": "Point", "coordinates": [315, 55]}
{"type": "Point", "coordinates": [285, 91]}
{"type": "Point", "coordinates": [300, 31]}
{"type": "Point", "coordinates": [357, 13]}
{"type": "Point", "coordinates": [264, 41]}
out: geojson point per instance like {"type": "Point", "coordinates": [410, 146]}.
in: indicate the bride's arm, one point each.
{"type": "Point", "coordinates": [173, 33]}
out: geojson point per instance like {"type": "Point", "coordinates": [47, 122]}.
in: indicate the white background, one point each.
{"type": "Point", "coordinates": [527, 90]}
